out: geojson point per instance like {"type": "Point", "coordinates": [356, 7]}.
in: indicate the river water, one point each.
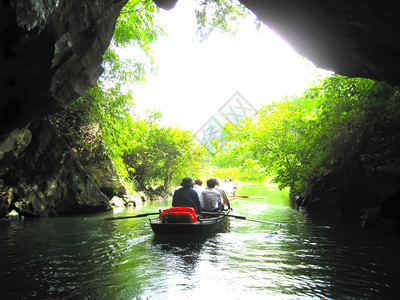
{"type": "Point", "coordinates": [86, 257]}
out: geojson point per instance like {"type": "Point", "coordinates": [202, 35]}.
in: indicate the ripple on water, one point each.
{"type": "Point", "coordinates": [92, 259]}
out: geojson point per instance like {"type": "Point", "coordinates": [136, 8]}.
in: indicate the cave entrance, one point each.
{"type": "Point", "coordinates": [197, 74]}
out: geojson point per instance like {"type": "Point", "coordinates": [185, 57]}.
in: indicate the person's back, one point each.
{"type": "Point", "coordinates": [198, 188]}
{"type": "Point", "coordinates": [228, 186]}
{"type": "Point", "coordinates": [211, 198]}
{"type": "Point", "coordinates": [186, 196]}
{"type": "Point", "coordinates": [224, 196]}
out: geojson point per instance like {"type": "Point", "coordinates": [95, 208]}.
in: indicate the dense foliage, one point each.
{"type": "Point", "coordinates": [300, 138]}
{"type": "Point", "coordinates": [233, 157]}
{"type": "Point", "coordinates": [161, 154]}
{"type": "Point", "coordinates": [223, 15]}
{"type": "Point", "coordinates": [136, 27]}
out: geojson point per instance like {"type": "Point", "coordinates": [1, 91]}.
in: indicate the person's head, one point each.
{"type": "Point", "coordinates": [217, 182]}
{"type": "Point", "coordinates": [198, 182]}
{"type": "Point", "coordinates": [187, 182]}
{"type": "Point", "coordinates": [211, 183]}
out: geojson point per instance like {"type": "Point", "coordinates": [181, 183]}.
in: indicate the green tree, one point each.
{"type": "Point", "coordinates": [164, 154]}
{"type": "Point", "coordinates": [137, 29]}
{"type": "Point", "coordinates": [222, 15]}
{"type": "Point", "coordinates": [233, 155]}
{"type": "Point", "coordinates": [303, 137]}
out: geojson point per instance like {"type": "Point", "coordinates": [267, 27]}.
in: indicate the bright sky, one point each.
{"type": "Point", "coordinates": [195, 79]}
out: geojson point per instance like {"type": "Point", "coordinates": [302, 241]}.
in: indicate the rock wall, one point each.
{"type": "Point", "coordinates": [353, 38]}
{"type": "Point", "coordinates": [365, 186]}
{"type": "Point", "coordinates": [47, 178]}
{"type": "Point", "coordinates": [50, 53]}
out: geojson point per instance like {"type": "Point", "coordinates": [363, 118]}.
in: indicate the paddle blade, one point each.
{"type": "Point", "coordinates": [244, 196]}
{"type": "Point", "coordinates": [247, 219]}
{"type": "Point", "coordinates": [131, 217]}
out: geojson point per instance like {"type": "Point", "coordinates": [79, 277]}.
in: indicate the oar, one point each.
{"type": "Point", "coordinates": [253, 220]}
{"type": "Point", "coordinates": [245, 218]}
{"type": "Point", "coordinates": [129, 217]}
{"type": "Point", "coordinates": [263, 197]}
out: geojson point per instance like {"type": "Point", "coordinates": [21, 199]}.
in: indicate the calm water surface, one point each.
{"type": "Point", "coordinates": [85, 257]}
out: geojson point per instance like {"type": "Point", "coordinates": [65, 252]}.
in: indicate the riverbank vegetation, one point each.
{"type": "Point", "coordinates": [300, 138]}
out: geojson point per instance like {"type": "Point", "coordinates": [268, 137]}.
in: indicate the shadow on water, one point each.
{"type": "Point", "coordinates": [185, 247]}
{"type": "Point", "coordinates": [177, 240]}
{"type": "Point", "coordinates": [184, 244]}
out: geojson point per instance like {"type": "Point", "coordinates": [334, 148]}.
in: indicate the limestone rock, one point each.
{"type": "Point", "coordinates": [117, 201]}
{"type": "Point", "coordinates": [12, 146]}
{"type": "Point", "coordinates": [143, 196]}
{"type": "Point", "coordinates": [50, 53]}
{"type": "Point", "coordinates": [48, 179]}
{"type": "Point", "coordinates": [366, 185]}
{"type": "Point", "coordinates": [6, 197]}
{"type": "Point", "coordinates": [134, 199]}
{"type": "Point", "coordinates": [352, 38]}
{"type": "Point", "coordinates": [107, 178]}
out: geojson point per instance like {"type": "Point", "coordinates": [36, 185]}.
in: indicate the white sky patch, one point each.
{"type": "Point", "coordinates": [195, 79]}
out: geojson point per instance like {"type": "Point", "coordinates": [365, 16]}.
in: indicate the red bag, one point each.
{"type": "Point", "coordinates": [179, 215]}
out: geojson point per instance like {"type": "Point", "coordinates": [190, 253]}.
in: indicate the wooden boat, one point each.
{"type": "Point", "coordinates": [208, 223]}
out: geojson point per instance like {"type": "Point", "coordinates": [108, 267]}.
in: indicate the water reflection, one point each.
{"type": "Point", "coordinates": [184, 251]}
{"type": "Point", "coordinates": [85, 257]}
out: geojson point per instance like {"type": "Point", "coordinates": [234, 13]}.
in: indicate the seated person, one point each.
{"type": "Point", "coordinates": [186, 196]}
{"type": "Point", "coordinates": [224, 196]}
{"type": "Point", "coordinates": [229, 187]}
{"type": "Point", "coordinates": [198, 187]}
{"type": "Point", "coordinates": [211, 198]}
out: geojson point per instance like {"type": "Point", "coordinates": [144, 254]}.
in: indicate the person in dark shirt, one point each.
{"type": "Point", "coordinates": [186, 196]}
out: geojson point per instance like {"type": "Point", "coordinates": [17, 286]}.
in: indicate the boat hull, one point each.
{"type": "Point", "coordinates": [205, 225]}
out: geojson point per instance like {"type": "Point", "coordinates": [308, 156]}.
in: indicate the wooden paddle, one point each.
{"type": "Point", "coordinates": [263, 197]}
{"type": "Point", "coordinates": [129, 217]}
{"type": "Point", "coordinates": [245, 218]}
{"type": "Point", "coordinates": [253, 220]}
